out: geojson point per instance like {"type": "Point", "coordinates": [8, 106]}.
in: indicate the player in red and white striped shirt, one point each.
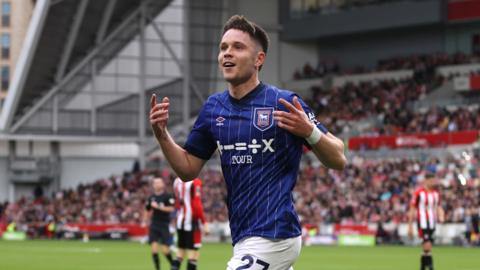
{"type": "Point", "coordinates": [425, 208]}
{"type": "Point", "coordinates": [190, 219]}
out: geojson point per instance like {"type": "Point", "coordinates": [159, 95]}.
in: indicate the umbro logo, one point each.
{"type": "Point", "coordinates": [220, 121]}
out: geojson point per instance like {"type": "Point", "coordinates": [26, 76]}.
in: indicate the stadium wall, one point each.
{"type": "Point", "coordinates": [459, 37]}
{"type": "Point", "coordinates": [361, 20]}
{"type": "Point", "coordinates": [77, 171]}
{"type": "Point", "coordinates": [294, 56]}
{"type": "Point", "coordinates": [79, 162]}
{"type": "Point", "coordinates": [87, 162]}
{"type": "Point", "coordinates": [367, 49]}
{"type": "Point", "coordinates": [3, 178]}
{"type": "Point", "coordinates": [4, 186]}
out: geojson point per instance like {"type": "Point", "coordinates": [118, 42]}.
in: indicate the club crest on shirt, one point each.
{"type": "Point", "coordinates": [262, 118]}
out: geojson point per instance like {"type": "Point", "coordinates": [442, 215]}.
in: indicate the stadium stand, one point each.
{"type": "Point", "coordinates": [434, 120]}
{"type": "Point", "coordinates": [366, 192]}
{"type": "Point", "coordinates": [417, 63]}
{"type": "Point", "coordinates": [389, 102]}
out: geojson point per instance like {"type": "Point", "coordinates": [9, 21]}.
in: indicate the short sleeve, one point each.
{"type": "Point", "coordinates": [200, 141]}
{"type": "Point", "coordinates": [170, 200]}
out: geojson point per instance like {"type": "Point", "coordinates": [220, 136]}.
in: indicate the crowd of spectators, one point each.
{"type": "Point", "coordinates": [418, 63]}
{"type": "Point", "coordinates": [380, 190]}
{"type": "Point", "coordinates": [386, 102]}
{"type": "Point", "coordinates": [118, 199]}
{"type": "Point", "coordinates": [111, 200]}
{"type": "Point", "coordinates": [357, 101]}
{"type": "Point", "coordinates": [433, 120]}
{"type": "Point", "coordinates": [366, 191]}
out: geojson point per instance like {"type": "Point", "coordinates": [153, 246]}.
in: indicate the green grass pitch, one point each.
{"type": "Point", "coordinates": [103, 255]}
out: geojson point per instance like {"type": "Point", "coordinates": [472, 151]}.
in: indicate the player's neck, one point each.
{"type": "Point", "coordinates": [240, 90]}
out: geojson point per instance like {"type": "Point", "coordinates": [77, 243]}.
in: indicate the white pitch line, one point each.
{"type": "Point", "coordinates": [64, 250]}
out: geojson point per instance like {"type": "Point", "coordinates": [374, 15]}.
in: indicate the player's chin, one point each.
{"type": "Point", "coordinates": [229, 77]}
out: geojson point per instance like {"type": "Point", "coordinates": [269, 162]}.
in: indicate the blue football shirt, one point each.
{"type": "Point", "coordinates": [260, 161]}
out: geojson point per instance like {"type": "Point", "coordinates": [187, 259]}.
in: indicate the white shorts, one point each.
{"type": "Point", "coordinates": [257, 253]}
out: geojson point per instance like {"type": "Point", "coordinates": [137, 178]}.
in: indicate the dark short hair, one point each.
{"type": "Point", "coordinates": [256, 32]}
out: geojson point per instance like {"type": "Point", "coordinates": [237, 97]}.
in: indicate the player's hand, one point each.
{"type": "Point", "coordinates": [441, 219]}
{"type": "Point", "coordinates": [155, 205]}
{"type": "Point", "coordinates": [296, 120]}
{"type": "Point", "coordinates": [159, 114]}
{"type": "Point", "coordinates": [410, 232]}
{"type": "Point", "coordinates": [441, 215]}
{"type": "Point", "coordinates": [206, 230]}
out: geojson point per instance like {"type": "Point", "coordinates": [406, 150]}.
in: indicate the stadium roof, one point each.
{"type": "Point", "coordinates": [62, 35]}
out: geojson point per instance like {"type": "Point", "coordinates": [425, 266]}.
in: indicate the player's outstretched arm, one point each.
{"type": "Point", "coordinates": [440, 214]}
{"type": "Point", "coordinates": [146, 217]}
{"type": "Point", "coordinates": [411, 217]}
{"type": "Point", "coordinates": [186, 166]}
{"type": "Point", "coordinates": [329, 149]}
{"type": "Point", "coordinates": [330, 152]}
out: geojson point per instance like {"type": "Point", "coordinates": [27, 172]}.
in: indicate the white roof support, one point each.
{"type": "Point", "coordinates": [72, 38]}
{"type": "Point", "coordinates": [175, 58]}
{"type": "Point", "coordinates": [72, 73]}
{"type": "Point", "coordinates": [24, 61]}
{"type": "Point", "coordinates": [107, 15]}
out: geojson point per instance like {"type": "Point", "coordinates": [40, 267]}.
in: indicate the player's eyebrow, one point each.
{"type": "Point", "coordinates": [234, 43]}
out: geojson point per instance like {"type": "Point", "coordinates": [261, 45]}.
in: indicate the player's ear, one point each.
{"type": "Point", "coordinates": [260, 59]}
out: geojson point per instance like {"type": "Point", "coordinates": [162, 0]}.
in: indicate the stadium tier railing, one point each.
{"type": "Point", "coordinates": [464, 69]}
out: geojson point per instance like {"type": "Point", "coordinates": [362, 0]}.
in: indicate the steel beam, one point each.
{"type": "Point", "coordinates": [166, 43]}
{"type": "Point", "coordinates": [186, 67]}
{"type": "Point", "coordinates": [142, 86]}
{"type": "Point", "coordinates": [73, 72]}
{"type": "Point", "coordinates": [107, 15]}
{"type": "Point", "coordinates": [72, 38]}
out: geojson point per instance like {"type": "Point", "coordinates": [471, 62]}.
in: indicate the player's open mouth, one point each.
{"type": "Point", "coordinates": [228, 64]}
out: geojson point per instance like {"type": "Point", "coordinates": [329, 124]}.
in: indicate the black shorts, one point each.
{"type": "Point", "coordinates": [475, 224]}
{"type": "Point", "coordinates": [426, 234]}
{"type": "Point", "coordinates": [189, 239]}
{"type": "Point", "coordinates": [160, 234]}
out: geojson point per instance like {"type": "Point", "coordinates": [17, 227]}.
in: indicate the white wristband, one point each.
{"type": "Point", "coordinates": [315, 137]}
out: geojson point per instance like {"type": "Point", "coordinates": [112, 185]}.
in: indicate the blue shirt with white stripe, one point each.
{"type": "Point", "coordinates": [260, 161]}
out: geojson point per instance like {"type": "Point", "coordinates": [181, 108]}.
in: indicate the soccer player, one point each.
{"type": "Point", "coordinates": [158, 209]}
{"type": "Point", "coordinates": [426, 210]}
{"type": "Point", "coordinates": [190, 218]}
{"type": "Point", "coordinates": [259, 131]}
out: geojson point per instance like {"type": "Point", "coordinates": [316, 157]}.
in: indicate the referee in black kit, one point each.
{"type": "Point", "coordinates": [158, 209]}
